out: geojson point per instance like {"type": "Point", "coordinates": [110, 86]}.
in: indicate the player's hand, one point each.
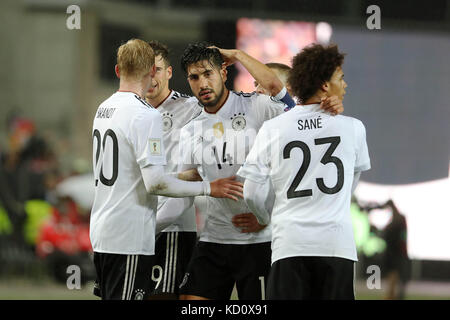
{"type": "Point", "coordinates": [229, 55]}
{"type": "Point", "coordinates": [332, 105]}
{"type": "Point", "coordinates": [190, 175]}
{"type": "Point", "coordinates": [247, 222]}
{"type": "Point", "coordinates": [227, 188]}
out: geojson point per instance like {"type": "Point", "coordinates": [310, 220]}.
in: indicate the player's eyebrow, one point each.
{"type": "Point", "coordinates": [196, 75]}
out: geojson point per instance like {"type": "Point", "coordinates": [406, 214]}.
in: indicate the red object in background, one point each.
{"type": "Point", "coordinates": [67, 232]}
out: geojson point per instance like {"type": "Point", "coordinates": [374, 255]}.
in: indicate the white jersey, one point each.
{"type": "Point", "coordinates": [310, 158]}
{"type": "Point", "coordinates": [127, 136]}
{"type": "Point", "coordinates": [177, 110]}
{"type": "Point", "coordinates": [217, 145]}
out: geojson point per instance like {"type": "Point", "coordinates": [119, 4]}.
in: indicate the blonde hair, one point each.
{"type": "Point", "coordinates": [135, 59]}
{"type": "Point", "coordinates": [281, 70]}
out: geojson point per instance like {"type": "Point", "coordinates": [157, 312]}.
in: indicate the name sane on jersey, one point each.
{"type": "Point", "coordinates": [315, 123]}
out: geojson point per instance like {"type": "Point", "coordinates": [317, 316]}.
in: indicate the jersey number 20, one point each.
{"type": "Point", "coordinates": [101, 144]}
{"type": "Point", "coordinates": [327, 158]}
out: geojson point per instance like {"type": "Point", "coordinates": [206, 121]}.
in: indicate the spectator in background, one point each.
{"type": "Point", "coordinates": [396, 260]}
{"type": "Point", "coordinates": [23, 171]}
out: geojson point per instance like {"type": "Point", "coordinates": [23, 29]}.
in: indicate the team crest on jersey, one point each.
{"type": "Point", "coordinates": [139, 294]}
{"type": "Point", "coordinates": [238, 122]}
{"type": "Point", "coordinates": [167, 121]}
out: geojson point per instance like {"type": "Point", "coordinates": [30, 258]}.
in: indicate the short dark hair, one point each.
{"type": "Point", "coordinates": [160, 49]}
{"type": "Point", "coordinates": [199, 51]}
{"type": "Point", "coordinates": [313, 66]}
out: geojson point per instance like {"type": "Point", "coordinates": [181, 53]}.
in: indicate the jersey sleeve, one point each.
{"type": "Point", "coordinates": [267, 107]}
{"type": "Point", "coordinates": [257, 164]}
{"type": "Point", "coordinates": [362, 151]}
{"type": "Point", "coordinates": [186, 152]}
{"type": "Point", "coordinates": [146, 138]}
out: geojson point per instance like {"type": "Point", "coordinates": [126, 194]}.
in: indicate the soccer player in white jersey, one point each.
{"type": "Point", "coordinates": [174, 245]}
{"type": "Point", "coordinates": [216, 143]}
{"type": "Point", "coordinates": [248, 221]}
{"type": "Point", "coordinates": [129, 159]}
{"type": "Point", "coordinates": [313, 161]}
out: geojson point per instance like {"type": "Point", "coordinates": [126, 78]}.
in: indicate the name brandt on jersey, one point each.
{"type": "Point", "coordinates": [315, 123]}
{"type": "Point", "coordinates": [105, 113]}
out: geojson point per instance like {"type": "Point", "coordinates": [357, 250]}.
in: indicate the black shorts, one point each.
{"type": "Point", "coordinates": [311, 278]}
{"type": "Point", "coordinates": [173, 251]}
{"type": "Point", "coordinates": [122, 277]}
{"type": "Point", "coordinates": [215, 268]}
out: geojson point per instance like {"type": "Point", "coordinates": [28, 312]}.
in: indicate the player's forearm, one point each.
{"type": "Point", "coordinates": [260, 72]}
{"type": "Point", "coordinates": [171, 210]}
{"type": "Point", "coordinates": [189, 175]}
{"type": "Point", "coordinates": [259, 200]}
{"type": "Point", "coordinates": [159, 183]}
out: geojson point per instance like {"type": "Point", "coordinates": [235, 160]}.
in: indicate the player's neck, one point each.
{"type": "Point", "coordinates": [220, 103]}
{"type": "Point", "coordinates": [135, 87]}
{"type": "Point", "coordinates": [157, 101]}
{"type": "Point", "coordinates": [315, 99]}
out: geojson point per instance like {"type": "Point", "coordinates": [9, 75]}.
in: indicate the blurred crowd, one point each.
{"type": "Point", "coordinates": [43, 227]}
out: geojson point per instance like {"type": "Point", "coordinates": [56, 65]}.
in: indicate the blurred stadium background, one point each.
{"type": "Point", "coordinates": [53, 79]}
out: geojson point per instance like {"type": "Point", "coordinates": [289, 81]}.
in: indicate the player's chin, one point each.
{"type": "Point", "coordinates": [208, 102]}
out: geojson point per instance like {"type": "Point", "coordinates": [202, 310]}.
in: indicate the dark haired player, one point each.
{"type": "Point", "coordinates": [216, 143]}
{"type": "Point", "coordinates": [175, 243]}
{"type": "Point", "coordinates": [313, 161]}
{"type": "Point", "coordinates": [128, 161]}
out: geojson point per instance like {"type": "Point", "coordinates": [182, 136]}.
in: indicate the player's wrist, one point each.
{"type": "Point", "coordinates": [280, 95]}
{"type": "Point", "coordinates": [206, 188]}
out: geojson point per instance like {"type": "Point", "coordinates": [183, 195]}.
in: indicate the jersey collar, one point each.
{"type": "Point", "coordinates": [165, 99]}
{"type": "Point", "coordinates": [314, 107]}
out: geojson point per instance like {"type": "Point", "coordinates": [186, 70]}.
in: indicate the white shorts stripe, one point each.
{"type": "Point", "coordinates": [133, 276]}
{"type": "Point", "coordinates": [130, 276]}
{"type": "Point", "coordinates": [174, 272]}
{"type": "Point", "coordinates": [169, 281]}
{"type": "Point", "coordinates": [167, 262]}
{"type": "Point", "coordinates": [126, 278]}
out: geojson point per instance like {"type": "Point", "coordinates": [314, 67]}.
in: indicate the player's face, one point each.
{"type": "Point", "coordinates": [160, 82]}
{"type": "Point", "coordinates": [259, 89]}
{"type": "Point", "coordinates": [337, 85]}
{"type": "Point", "coordinates": [207, 83]}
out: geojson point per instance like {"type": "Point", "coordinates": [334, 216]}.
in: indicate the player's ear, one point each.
{"type": "Point", "coordinates": [169, 72]}
{"type": "Point", "coordinates": [116, 69]}
{"type": "Point", "coordinates": [325, 86]}
{"type": "Point", "coordinates": [224, 73]}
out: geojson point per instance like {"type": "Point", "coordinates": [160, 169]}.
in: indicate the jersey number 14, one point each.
{"type": "Point", "coordinates": [327, 158]}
